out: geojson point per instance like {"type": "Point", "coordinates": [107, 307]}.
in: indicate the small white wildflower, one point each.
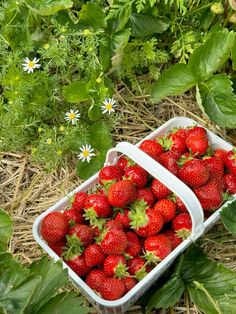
{"type": "Point", "coordinates": [29, 65]}
{"type": "Point", "coordinates": [108, 106]}
{"type": "Point", "coordinates": [86, 153]}
{"type": "Point", "coordinates": [72, 116]}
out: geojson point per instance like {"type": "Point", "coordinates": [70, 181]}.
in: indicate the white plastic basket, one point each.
{"type": "Point", "coordinates": [173, 183]}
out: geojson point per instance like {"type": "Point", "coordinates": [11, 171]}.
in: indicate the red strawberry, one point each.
{"type": "Point", "coordinates": [115, 265]}
{"type": "Point", "coordinates": [137, 175]}
{"type": "Point", "coordinates": [74, 216]}
{"type": "Point", "coordinates": [137, 267]}
{"type": "Point", "coordinates": [182, 225]}
{"type": "Point", "coordinates": [210, 195]}
{"type": "Point", "coordinates": [174, 239]}
{"type": "Point", "coordinates": [159, 189]}
{"type": "Point", "coordinates": [121, 193]}
{"type": "Point", "coordinates": [181, 132]}
{"type": "Point", "coordinates": [230, 161]}
{"type": "Point", "coordinates": [110, 174]}
{"type": "Point", "coordinates": [77, 263]}
{"type": "Point", "coordinates": [151, 148]}
{"type": "Point", "coordinates": [133, 247]}
{"type": "Point", "coordinates": [113, 224]}
{"type": "Point", "coordinates": [220, 153]}
{"type": "Point", "coordinates": [114, 242]}
{"type": "Point", "coordinates": [82, 233]}
{"type": "Point", "coordinates": [166, 208]}
{"type": "Point", "coordinates": [94, 255]}
{"type": "Point", "coordinates": [194, 173]}
{"type": "Point", "coordinates": [216, 167]}
{"type": "Point", "coordinates": [129, 283]}
{"type": "Point", "coordinates": [79, 201]}
{"type": "Point", "coordinates": [168, 160]}
{"type": "Point", "coordinates": [146, 222]}
{"type": "Point", "coordinates": [112, 289]}
{"type": "Point", "coordinates": [58, 247]}
{"type": "Point", "coordinates": [123, 162]}
{"type": "Point", "coordinates": [176, 144]}
{"type": "Point", "coordinates": [95, 279]}
{"type": "Point", "coordinates": [230, 183]}
{"type": "Point", "coordinates": [96, 205]}
{"type": "Point", "coordinates": [197, 141]}
{"type": "Point", "coordinates": [54, 227]}
{"type": "Point", "coordinates": [123, 218]}
{"type": "Point", "coordinates": [157, 247]}
{"type": "Point", "coordinates": [180, 205]}
{"type": "Point", "coordinates": [147, 196]}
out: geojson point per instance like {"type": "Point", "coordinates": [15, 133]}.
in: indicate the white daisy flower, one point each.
{"type": "Point", "coordinates": [86, 153]}
{"type": "Point", "coordinates": [29, 65]}
{"type": "Point", "coordinates": [108, 106]}
{"type": "Point", "coordinates": [72, 116]}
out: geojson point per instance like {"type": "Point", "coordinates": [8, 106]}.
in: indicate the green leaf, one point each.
{"type": "Point", "coordinates": [120, 13]}
{"type": "Point", "coordinates": [168, 294]}
{"type": "Point", "coordinates": [233, 54]}
{"type": "Point", "coordinates": [6, 228]}
{"type": "Point", "coordinates": [174, 81]}
{"type": "Point", "coordinates": [92, 15]}
{"type": "Point", "coordinates": [212, 55]}
{"type": "Point", "coordinates": [62, 303]}
{"type": "Point", "coordinates": [94, 112]}
{"type": "Point", "coordinates": [145, 25]}
{"type": "Point", "coordinates": [48, 7]}
{"type": "Point", "coordinates": [76, 92]}
{"type": "Point", "coordinates": [16, 286]}
{"type": "Point", "coordinates": [228, 217]}
{"type": "Point", "coordinates": [119, 42]}
{"type": "Point", "coordinates": [217, 100]}
{"type": "Point", "coordinates": [53, 278]}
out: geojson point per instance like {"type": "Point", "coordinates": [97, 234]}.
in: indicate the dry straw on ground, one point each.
{"type": "Point", "coordinates": [26, 191]}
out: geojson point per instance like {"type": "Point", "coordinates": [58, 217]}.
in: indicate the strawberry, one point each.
{"type": "Point", "coordinates": [81, 234]}
{"type": "Point", "coordinates": [123, 162]}
{"type": "Point", "coordinates": [230, 161]}
{"type": "Point", "coordinates": [216, 167]}
{"type": "Point", "coordinates": [58, 247]}
{"type": "Point", "coordinates": [147, 196]}
{"type": "Point", "coordinates": [157, 247]}
{"type": "Point", "coordinates": [96, 205]}
{"type": "Point", "coordinates": [220, 153]}
{"type": "Point", "coordinates": [114, 242]}
{"type": "Point", "coordinates": [180, 205]}
{"type": "Point", "coordinates": [159, 189]}
{"type": "Point", "coordinates": [133, 247]}
{"type": "Point", "coordinates": [194, 173]}
{"type": "Point", "coordinates": [95, 279]}
{"type": "Point", "coordinates": [54, 227]}
{"type": "Point", "coordinates": [113, 224]}
{"type": "Point", "coordinates": [230, 183]}
{"type": "Point", "coordinates": [112, 289]}
{"type": "Point", "coordinates": [176, 144]}
{"type": "Point", "coordinates": [74, 216]}
{"type": "Point", "coordinates": [182, 225]}
{"type": "Point", "coordinates": [181, 132]}
{"type": "Point", "coordinates": [79, 201]}
{"type": "Point", "coordinates": [166, 208]}
{"type": "Point", "coordinates": [151, 148]}
{"type": "Point", "coordinates": [77, 263]}
{"type": "Point", "coordinates": [123, 218]}
{"type": "Point", "coordinates": [168, 160]}
{"type": "Point", "coordinates": [94, 255]}
{"type": "Point", "coordinates": [137, 175]}
{"type": "Point", "coordinates": [210, 195]}
{"type": "Point", "coordinates": [197, 141]}
{"type": "Point", "coordinates": [146, 222]}
{"type": "Point", "coordinates": [174, 239]}
{"type": "Point", "coordinates": [110, 174]}
{"type": "Point", "coordinates": [115, 265]}
{"type": "Point", "coordinates": [129, 283]}
{"type": "Point", "coordinates": [137, 267]}
{"type": "Point", "coordinates": [121, 193]}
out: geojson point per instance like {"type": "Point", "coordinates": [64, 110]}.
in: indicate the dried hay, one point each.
{"type": "Point", "coordinates": [26, 191]}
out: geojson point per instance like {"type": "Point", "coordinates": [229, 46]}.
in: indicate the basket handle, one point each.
{"type": "Point", "coordinates": [167, 178]}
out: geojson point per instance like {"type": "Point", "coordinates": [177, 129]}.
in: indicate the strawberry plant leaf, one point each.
{"type": "Point", "coordinates": [212, 55]}
{"type": "Point", "coordinates": [76, 92]}
{"type": "Point", "coordinates": [118, 43]}
{"type": "Point", "coordinates": [6, 227]}
{"type": "Point", "coordinates": [144, 25]}
{"type": "Point", "coordinates": [217, 100]}
{"type": "Point", "coordinates": [233, 54]}
{"type": "Point", "coordinates": [48, 7]}
{"type": "Point", "coordinates": [174, 81]}
{"type": "Point", "coordinates": [228, 217]}
{"type": "Point", "coordinates": [92, 15]}
{"type": "Point", "coordinates": [62, 302]}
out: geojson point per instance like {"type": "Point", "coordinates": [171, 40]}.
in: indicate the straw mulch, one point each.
{"type": "Point", "coordinates": [26, 191]}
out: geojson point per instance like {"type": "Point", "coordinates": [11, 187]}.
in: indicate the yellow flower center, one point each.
{"type": "Point", "coordinates": [86, 153]}
{"type": "Point", "coordinates": [109, 106]}
{"type": "Point", "coordinates": [62, 128]}
{"type": "Point", "coordinates": [98, 80]}
{"type": "Point", "coordinates": [31, 64]}
{"type": "Point", "coordinates": [86, 32]}
{"type": "Point", "coordinates": [71, 116]}
{"type": "Point", "coordinates": [49, 141]}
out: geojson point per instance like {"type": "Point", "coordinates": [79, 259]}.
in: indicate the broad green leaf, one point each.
{"type": "Point", "coordinates": [76, 92]}
{"type": "Point", "coordinates": [212, 55]}
{"type": "Point", "coordinates": [228, 217]}
{"type": "Point", "coordinates": [63, 303]}
{"type": "Point", "coordinates": [174, 81]}
{"type": "Point", "coordinates": [16, 286]}
{"type": "Point", "coordinates": [233, 54]}
{"type": "Point", "coordinates": [144, 25]}
{"type": "Point", "coordinates": [217, 100]}
{"type": "Point", "coordinates": [5, 229]}
{"type": "Point", "coordinates": [120, 14]}
{"type": "Point", "coordinates": [92, 15]}
{"type": "Point", "coordinates": [94, 112]}
{"type": "Point", "coordinates": [118, 43]}
{"type": "Point", "coordinates": [49, 7]}
{"type": "Point", "coordinates": [168, 294]}
{"type": "Point", "coordinates": [53, 278]}
{"type": "Point", "coordinates": [105, 54]}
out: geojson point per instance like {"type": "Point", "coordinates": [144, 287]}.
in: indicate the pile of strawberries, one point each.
{"type": "Point", "coordinates": [116, 233]}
